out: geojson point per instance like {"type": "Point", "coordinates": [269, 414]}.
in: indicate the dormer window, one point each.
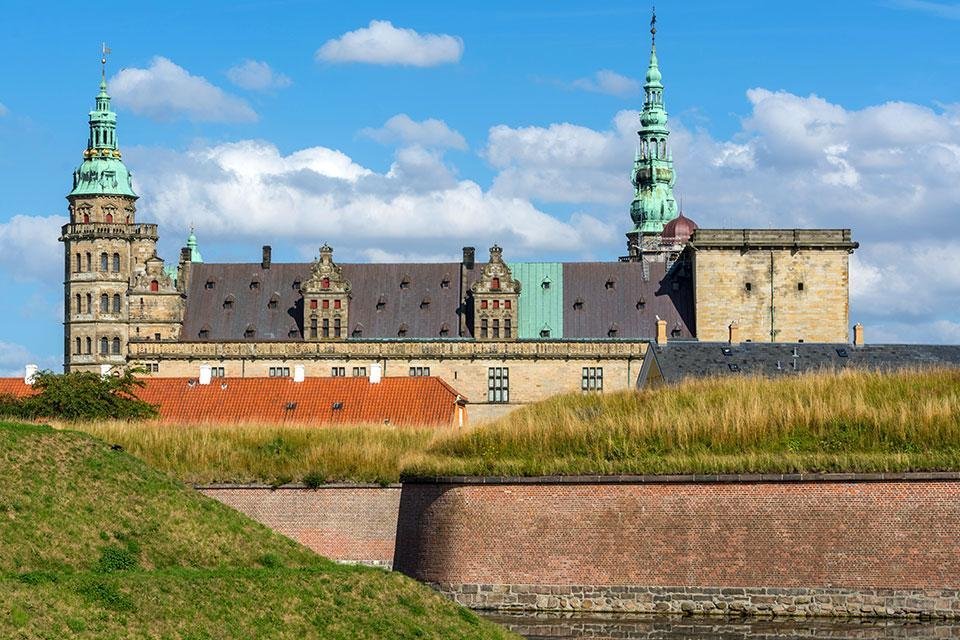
{"type": "Point", "coordinates": [425, 302]}
{"type": "Point", "coordinates": [444, 330]}
{"type": "Point", "coordinates": [545, 284]}
{"type": "Point", "coordinates": [250, 332]}
{"type": "Point", "coordinates": [274, 301]}
{"type": "Point", "coordinates": [578, 304]}
{"type": "Point", "coordinates": [402, 331]}
{"type": "Point", "coordinates": [325, 283]}
{"type": "Point", "coordinates": [254, 285]}
{"type": "Point", "coordinates": [296, 284]}
{"type": "Point", "coordinates": [613, 331]}
{"type": "Point", "coordinates": [210, 284]}
{"type": "Point", "coordinates": [545, 332]}
{"type": "Point", "coordinates": [293, 333]}
{"type": "Point", "coordinates": [641, 303]}
{"type": "Point", "coordinates": [381, 303]}
{"type": "Point", "coordinates": [357, 331]}
{"type": "Point", "coordinates": [495, 284]}
{"type": "Point", "coordinates": [405, 282]}
{"type": "Point", "coordinates": [609, 284]}
{"type": "Point", "coordinates": [445, 283]}
{"type": "Point", "coordinates": [228, 302]}
{"type": "Point", "coordinates": [204, 332]}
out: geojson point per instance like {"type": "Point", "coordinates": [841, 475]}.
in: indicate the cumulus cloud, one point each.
{"type": "Point", "coordinates": [382, 43]}
{"type": "Point", "coordinates": [429, 133]}
{"type": "Point", "coordinates": [891, 172]}
{"type": "Point", "coordinates": [29, 250]}
{"type": "Point", "coordinates": [167, 91]}
{"type": "Point", "coordinates": [257, 76]}
{"type": "Point", "coordinates": [608, 82]}
{"type": "Point", "coordinates": [14, 358]}
{"type": "Point", "coordinates": [248, 189]}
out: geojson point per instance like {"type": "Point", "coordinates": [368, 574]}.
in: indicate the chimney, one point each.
{"type": "Point", "coordinates": [265, 262]}
{"type": "Point", "coordinates": [376, 373]}
{"type": "Point", "coordinates": [184, 254]}
{"type": "Point", "coordinates": [299, 374]}
{"type": "Point", "coordinates": [205, 374]}
{"type": "Point", "coordinates": [661, 331]}
{"type": "Point", "coordinates": [858, 335]}
{"type": "Point", "coordinates": [30, 374]}
{"type": "Point", "coordinates": [105, 370]}
{"type": "Point", "coordinates": [734, 333]}
{"type": "Point", "coordinates": [469, 257]}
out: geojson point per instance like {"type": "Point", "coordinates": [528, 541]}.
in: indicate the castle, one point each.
{"type": "Point", "coordinates": [501, 332]}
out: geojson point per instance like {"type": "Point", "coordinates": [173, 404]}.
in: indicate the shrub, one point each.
{"type": "Point", "coordinates": [81, 395]}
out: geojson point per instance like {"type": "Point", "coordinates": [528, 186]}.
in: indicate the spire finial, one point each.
{"type": "Point", "coordinates": [653, 26]}
{"type": "Point", "coordinates": [104, 50]}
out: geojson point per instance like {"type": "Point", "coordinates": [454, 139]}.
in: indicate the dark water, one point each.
{"type": "Point", "coordinates": [623, 626]}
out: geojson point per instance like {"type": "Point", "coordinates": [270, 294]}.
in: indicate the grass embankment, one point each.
{"type": "Point", "coordinates": [95, 544]}
{"type": "Point", "coordinates": [851, 421]}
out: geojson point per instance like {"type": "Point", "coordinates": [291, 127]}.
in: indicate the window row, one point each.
{"type": "Point", "coordinates": [325, 304]}
{"type": "Point", "coordinates": [108, 304]}
{"type": "Point", "coordinates": [507, 304]}
{"type": "Point", "coordinates": [490, 329]}
{"type": "Point", "coordinates": [108, 346]}
{"type": "Point", "coordinates": [326, 329]}
{"type": "Point", "coordinates": [419, 371]}
{"type": "Point", "coordinates": [84, 262]}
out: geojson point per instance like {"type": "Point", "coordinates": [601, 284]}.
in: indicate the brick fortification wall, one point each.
{"type": "Point", "coordinates": [349, 523]}
{"type": "Point", "coordinates": [790, 545]}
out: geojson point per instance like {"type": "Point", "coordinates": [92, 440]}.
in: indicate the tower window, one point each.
{"type": "Point", "coordinates": [89, 303]}
{"type": "Point", "coordinates": [115, 346]}
{"type": "Point", "coordinates": [748, 286]}
{"type": "Point", "coordinates": [104, 303]}
{"type": "Point", "coordinates": [325, 304]}
{"type": "Point", "coordinates": [86, 217]}
{"type": "Point", "coordinates": [116, 303]}
{"type": "Point", "coordinates": [338, 372]}
{"type": "Point", "coordinates": [799, 286]}
{"type": "Point", "coordinates": [79, 264]}
{"type": "Point", "coordinates": [76, 306]}
{"type": "Point", "coordinates": [507, 304]}
{"type": "Point", "coordinates": [78, 347]}
{"type": "Point", "coordinates": [89, 262]}
{"type": "Point", "coordinates": [104, 262]}
{"type": "Point", "coordinates": [109, 217]}
{"type": "Point", "coordinates": [483, 304]}
{"type": "Point", "coordinates": [89, 345]}
{"type": "Point", "coordinates": [104, 346]}
{"type": "Point", "coordinates": [313, 304]}
{"type": "Point", "coordinates": [336, 304]}
{"type": "Point", "coordinates": [116, 263]}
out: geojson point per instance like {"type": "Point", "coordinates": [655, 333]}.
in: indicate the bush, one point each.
{"type": "Point", "coordinates": [81, 395]}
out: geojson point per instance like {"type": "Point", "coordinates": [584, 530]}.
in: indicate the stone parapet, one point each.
{"type": "Point", "coordinates": [772, 239]}
{"type": "Point", "coordinates": [102, 230]}
{"type": "Point", "coordinates": [374, 350]}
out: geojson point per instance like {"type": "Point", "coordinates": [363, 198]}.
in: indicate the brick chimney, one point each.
{"type": "Point", "coordinates": [734, 333]}
{"type": "Point", "coordinates": [265, 262]}
{"type": "Point", "coordinates": [469, 257]}
{"type": "Point", "coordinates": [858, 335]}
{"type": "Point", "coordinates": [661, 331]}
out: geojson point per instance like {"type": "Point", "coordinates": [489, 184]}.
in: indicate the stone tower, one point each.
{"type": "Point", "coordinates": [108, 257]}
{"type": "Point", "coordinates": [653, 178]}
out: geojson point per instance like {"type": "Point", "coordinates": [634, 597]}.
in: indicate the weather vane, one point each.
{"type": "Point", "coordinates": [104, 50]}
{"type": "Point", "coordinates": [653, 24]}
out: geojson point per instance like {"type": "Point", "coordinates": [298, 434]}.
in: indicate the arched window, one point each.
{"type": "Point", "coordinates": [154, 285]}
{"type": "Point", "coordinates": [116, 263]}
{"type": "Point", "coordinates": [89, 345]}
{"type": "Point", "coordinates": [76, 306]}
{"type": "Point", "coordinates": [89, 262]}
{"type": "Point", "coordinates": [86, 217]}
{"type": "Point", "coordinates": [104, 261]}
{"type": "Point", "coordinates": [79, 264]}
{"type": "Point", "coordinates": [104, 346]}
{"type": "Point", "coordinates": [104, 303]}
{"type": "Point", "coordinates": [78, 347]}
{"type": "Point", "coordinates": [116, 303]}
{"type": "Point", "coordinates": [89, 307]}
{"type": "Point", "coordinates": [115, 350]}
{"type": "Point", "coordinates": [109, 217]}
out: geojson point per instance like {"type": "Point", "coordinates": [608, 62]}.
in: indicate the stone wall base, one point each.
{"type": "Point", "coordinates": [942, 604]}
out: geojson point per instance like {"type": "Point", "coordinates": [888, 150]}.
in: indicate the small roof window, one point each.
{"type": "Point", "coordinates": [229, 301]}
{"type": "Point", "coordinates": [444, 330]}
{"type": "Point", "coordinates": [578, 304]}
{"type": "Point", "coordinates": [610, 283]}
{"type": "Point", "coordinates": [250, 331]}
{"type": "Point", "coordinates": [425, 302]}
{"type": "Point", "coordinates": [404, 281]}
{"type": "Point", "coordinates": [402, 331]}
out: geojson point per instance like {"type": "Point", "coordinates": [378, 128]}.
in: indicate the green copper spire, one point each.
{"type": "Point", "coordinates": [102, 172]}
{"type": "Point", "coordinates": [653, 203]}
{"type": "Point", "coordinates": [192, 245]}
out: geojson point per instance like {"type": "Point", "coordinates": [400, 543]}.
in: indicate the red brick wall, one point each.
{"type": "Point", "coordinates": [342, 522]}
{"type": "Point", "coordinates": [850, 534]}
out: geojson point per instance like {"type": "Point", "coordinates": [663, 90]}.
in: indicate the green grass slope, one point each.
{"type": "Point", "coordinates": [95, 544]}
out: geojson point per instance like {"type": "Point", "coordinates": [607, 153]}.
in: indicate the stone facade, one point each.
{"type": "Point", "coordinates": [777, 285]}
{"type": "Point", "coordinates": [836, 544]}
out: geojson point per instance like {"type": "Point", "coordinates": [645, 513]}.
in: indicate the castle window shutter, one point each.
{"type": "Point", "coordinates": [154, 285]}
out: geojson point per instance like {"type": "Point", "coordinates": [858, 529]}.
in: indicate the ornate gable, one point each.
{"type": "Point", "coordinates": [326, 299]}
{"type": "Point", "coordinates": [495, 298]}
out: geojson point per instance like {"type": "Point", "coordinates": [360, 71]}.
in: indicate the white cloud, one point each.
{"type": "Point", "coordinates": [429, 133]}
{"type": "Point", "coordinates": [257, 76]}
{"type": "Point", "coordinates": [167, 91]}
{"type": "Point", "coordinates": [14, 358]}
{"type": "Point", "coordinates": [949, 10]}
{"type": "Point", "coordinates": [382, 43]}
{"type": "Point", "coordinates": [29, 249]}
{"type": "Point", "coordinates": [608, 82]}
{"type": "Point", "coordinates": [248, 189]}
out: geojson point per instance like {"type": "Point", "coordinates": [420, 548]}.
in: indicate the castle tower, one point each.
{"type": "Point", "coordinates": [104, 249]}
{"type": "Point", "coordinates": [653, 178]}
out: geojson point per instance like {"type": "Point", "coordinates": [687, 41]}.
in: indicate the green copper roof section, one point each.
{"type": "Point", "coordinates": [192, 245]}
{"type": "Point", "coordinates": [541, 298]}
{"type": "Point", "coordinates": [102, 172]}
{"type": "Point", "coordinates": [653, 178]}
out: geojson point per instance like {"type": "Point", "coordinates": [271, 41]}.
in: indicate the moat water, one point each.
{"type": "Point", "coordinates": [623, 626]}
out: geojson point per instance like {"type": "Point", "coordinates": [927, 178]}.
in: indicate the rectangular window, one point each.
{"type": "Point", "coordinates": [483, 328]}
{"type": "Point", "coordinates": [498, 384]}
{"type": "Point", "coordinates": [591, 379]}
{"type": "Point", "coordinates": [483, 304]}
{"type": "Point", "coordinates": [419, 371]}
{"type": "Point", "coordinates": [313, 327]}
{"type": "Point", "coordinates": [326, 328]}
{"type": "Point", "coordinates": [278, 372]}
{"type": "Point", "coordinates": [336, 327]}
{"type": "Point", "coordinates": [507, 328]}
{"type": "Point", "coordinates": [217, 372]}
{"type": "Point", "coordinates": [359, 372]}
{"type": "Point", "coordinates": [313, 304]}
{"type": "Point", "coordinates": [336, 304]}
{"type": "Point", "coordinates": [506, 304]}
{"type": "Point", "coordinates": [496, 304]}
{"type": "Point", "coordinates": [496, 328]}
{"type": "Point", "coordinates": [338, 372]}
{"type": "Point", "coordinates": [156, 337]}
{"type": "Point", "coordinates": [326, 304]}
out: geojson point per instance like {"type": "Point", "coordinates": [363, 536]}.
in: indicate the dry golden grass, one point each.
{"type": "Point", "coordinates": [848, 421]}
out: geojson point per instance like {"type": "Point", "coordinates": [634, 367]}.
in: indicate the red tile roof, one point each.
{"type": "Point", "coordinates": [413, 400]}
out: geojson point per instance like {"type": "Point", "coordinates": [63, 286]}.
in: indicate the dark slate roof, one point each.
{"type": "Point", "coordinates": [669, 296]}
{"type": "Point", "coordinates": [424, 306]}
{"type": "Point", "coordinates": [691, 359]}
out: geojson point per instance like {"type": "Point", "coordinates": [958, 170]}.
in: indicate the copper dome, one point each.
{"type": "Point", "coordinates": [680, 228]}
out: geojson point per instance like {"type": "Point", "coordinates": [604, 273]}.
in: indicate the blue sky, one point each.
{"type": "Point", "coordinates": [267, 122]}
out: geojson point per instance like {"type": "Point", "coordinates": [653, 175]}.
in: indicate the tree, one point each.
{"type": "Point", "coordinates": [82, 395]}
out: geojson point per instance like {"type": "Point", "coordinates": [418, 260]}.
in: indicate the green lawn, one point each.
{"type": "Point", "coordinates": [96, 544]}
